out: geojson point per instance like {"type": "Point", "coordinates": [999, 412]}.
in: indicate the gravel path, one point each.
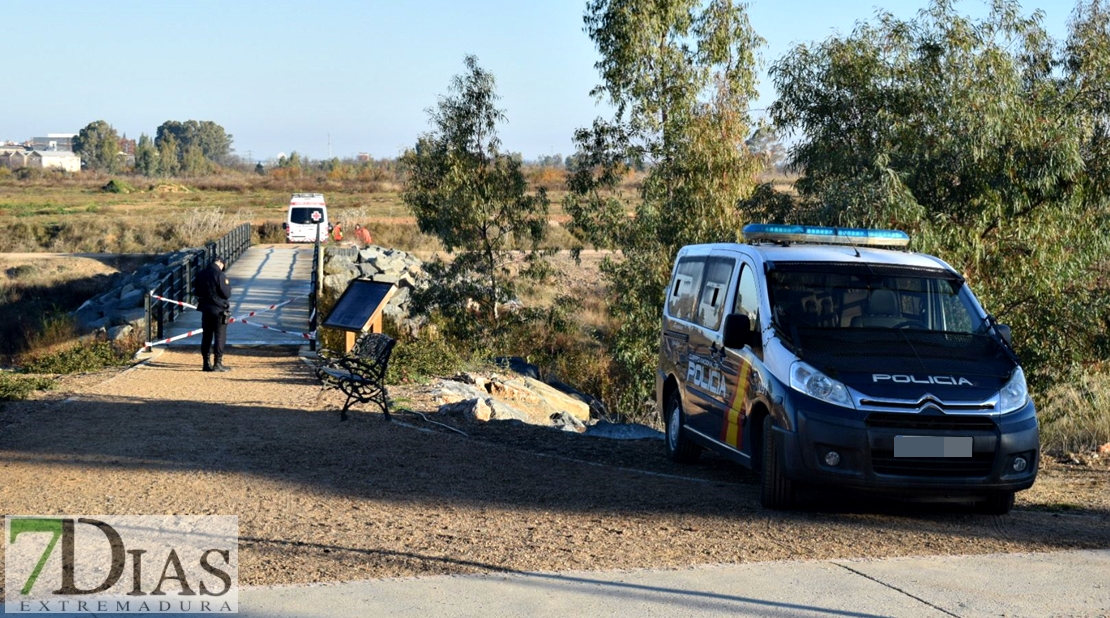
{"type": "Point", "coordinates": [322, 501]}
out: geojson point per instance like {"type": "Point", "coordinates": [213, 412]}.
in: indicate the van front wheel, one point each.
{"type": "Point", "coordinates": [775, 490]}
{"type": "Point", "coordinates": [679, 448]}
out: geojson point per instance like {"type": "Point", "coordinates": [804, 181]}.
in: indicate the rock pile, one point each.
{"type": "Point", "coordinates": [343, 264]}
{"type": "Point", "coordinates": [495, 397]}
{"type": "Point", "coordinates": [121, 308]}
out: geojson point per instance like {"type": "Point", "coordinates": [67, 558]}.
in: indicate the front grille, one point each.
{"type": "Point", "coordinates": [929, 422]}
{"type": "Point", "coordinates": [978, 465]}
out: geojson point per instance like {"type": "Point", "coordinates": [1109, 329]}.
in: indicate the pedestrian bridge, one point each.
{"type": "Point", "coordinates": [262, 277]}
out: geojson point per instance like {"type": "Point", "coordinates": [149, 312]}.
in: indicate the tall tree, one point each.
{"type": "Point", "coordinates": [208, 138]}
{"type": "Point", "coordinates": [984, 138]}
{"type": "Point", "coordinates": [473, 197]}
{"type": "Point", "coordinates": [680, 75]}
{"type": "Point", "coordinates": [169, 164]}
{"type": "Point", "coordinates": [146, 156]}
{"type": "Point", "coordinates": [98, 146]}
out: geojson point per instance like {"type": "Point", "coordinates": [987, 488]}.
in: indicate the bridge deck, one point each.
{"type": "Point", "coordinates": [263, 276]}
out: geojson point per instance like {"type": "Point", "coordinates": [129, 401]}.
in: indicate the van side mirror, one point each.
{"type": "Point", "coordinates": [1004, 332]}
{"type": "Point", "coordinates": [738, 331]}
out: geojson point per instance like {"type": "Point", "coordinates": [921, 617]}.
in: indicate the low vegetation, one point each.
{"type": "Point", "coordinates": [83, 357]}
{"type": "Point", "coordinates": [14, 386]}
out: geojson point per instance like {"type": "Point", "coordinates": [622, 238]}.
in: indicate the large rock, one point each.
{"type": "Point", "coordinates": [471, 409]}
{"type": "Point", "coordinates": [338, 264]}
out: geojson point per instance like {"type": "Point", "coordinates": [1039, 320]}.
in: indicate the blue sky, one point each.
{"type": "Point", "coordinates": [339, 77]}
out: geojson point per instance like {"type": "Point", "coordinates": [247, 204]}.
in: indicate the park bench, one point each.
{"type": "Point", "coordinates": [359, 374]}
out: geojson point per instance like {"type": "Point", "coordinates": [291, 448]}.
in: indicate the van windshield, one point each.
{"type": "Point", "coordinates": [301, 215]}
{"type": "Point", "coordinates": [859, 317]}
{"type": "Point", "coordinates": [870, 296]}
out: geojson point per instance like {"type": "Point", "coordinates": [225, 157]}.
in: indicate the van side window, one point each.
{"type": "Point", "coordinates": [718, 274]}
{"type": "Point", "coordinates": [747, 295]}
{"type": "Point", "coordinates": [684, 289]}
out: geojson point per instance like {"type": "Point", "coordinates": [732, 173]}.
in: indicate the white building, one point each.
{"type": "Point", "coordinates": [42, 159]}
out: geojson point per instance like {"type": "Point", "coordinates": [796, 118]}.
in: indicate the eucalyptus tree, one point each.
{"type": "Point", "coordinates": [473, 197]}
{"type": "Point", "coordinates": [680, 75]}
{"type": "Point", "coordinates": [99, 147]}
{"type": "Point", "coordinates": [987, 140]}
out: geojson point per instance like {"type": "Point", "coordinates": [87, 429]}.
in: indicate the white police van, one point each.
{"type": "Point", "coordinates": [306, 210]}
{"type": "Point", "coordinates": [814, 356]}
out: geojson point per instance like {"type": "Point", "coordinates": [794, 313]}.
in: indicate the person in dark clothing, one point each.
{"type": "Point", "coordinates": [213, 292]}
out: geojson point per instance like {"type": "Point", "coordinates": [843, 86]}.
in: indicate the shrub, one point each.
{"type": "Point", "coordinates": [14, 387]}
{"type": "Point", "coordinates": [81, 358]}
{"type": "Point", "coordinates": [270, 232]}
{"type": "Point", "coordinates": [118, 186]}
{"type": "Point", "coordinates": [416, 359]}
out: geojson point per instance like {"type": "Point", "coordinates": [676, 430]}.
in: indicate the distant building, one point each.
{"type": "Point", "coordinates": [363, 157]}
{"type": "Point", "coordinates": [54, 141]}
{"type": "Point", "coordinates": [55, 159]}
{"type": "Point", "coordinates": [40, 159]}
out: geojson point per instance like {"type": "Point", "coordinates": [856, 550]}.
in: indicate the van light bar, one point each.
{"type": "Point", "coordinates": [825, 235]}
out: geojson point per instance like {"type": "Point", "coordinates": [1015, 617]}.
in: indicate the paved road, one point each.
{"type": "Point", "coordinates": [261, 277]}
{"type": "Point", "coordinates": [1056, 584]}
{"type": "Point", "coordinates": [1050, 584]}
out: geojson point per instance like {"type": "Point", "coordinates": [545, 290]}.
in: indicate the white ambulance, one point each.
{"type": "Point", "coordinates": [307, 214]}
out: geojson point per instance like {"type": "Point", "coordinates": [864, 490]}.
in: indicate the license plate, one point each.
{"type": "Point", "coordinates": [932, 446]}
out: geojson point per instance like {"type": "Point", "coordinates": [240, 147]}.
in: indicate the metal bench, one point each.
{"type": "Point", "coordinates": [360, 374]}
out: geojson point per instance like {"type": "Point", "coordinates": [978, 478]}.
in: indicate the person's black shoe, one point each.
{"type": "Point", "coordinates": [220, 367]}
{"type": "Point", "coordinates": [207, 364]}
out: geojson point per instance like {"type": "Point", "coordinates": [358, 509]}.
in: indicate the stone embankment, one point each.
{"type": "Point", "coordinates": [121, 307]}
{"type": "Point", "coordinates": [344, 264]}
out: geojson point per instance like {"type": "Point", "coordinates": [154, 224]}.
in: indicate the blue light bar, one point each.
{"type": "Point", "coordinates": [774, 232]}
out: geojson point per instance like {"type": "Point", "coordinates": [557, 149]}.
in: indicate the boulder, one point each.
{"type": "Point", "coordinates": [339, 264]}
{"type": "Point", "coordinates": [471, 409]}
{"type": "Point", "coordinates": [116, 333]}
{"type": "Point", "coordinates": [449, 391]}
{"type": "Point", "coordinates": [567, 422]}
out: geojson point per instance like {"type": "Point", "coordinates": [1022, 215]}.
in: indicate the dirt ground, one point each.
{"type": "Point", "coordinates": [318, 500]}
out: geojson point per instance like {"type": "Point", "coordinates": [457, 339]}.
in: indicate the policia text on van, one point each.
{"type": "Point", "coordinates": [813, 356]}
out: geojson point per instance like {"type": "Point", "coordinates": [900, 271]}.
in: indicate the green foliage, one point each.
{"type": "Point", "coordinates": [680, 74]}
{"type": "Point", "coordinates": [417, 359]}
{"type": "Point", "coordinates": [985, 140]}
{"type": "Point", "coordinates": [463, 190]}
{"type": "Point", "coordinates": [98, 144]}
{"type": "Point", "coordinates": [193, 148]}
{"type": "Point", "coordinates": [15, 387]}
{"type": "Point", "coordinates": [80, 358]}
{"type": "Point", "coordinates": [118, 186]}
{"type": "Point", "coordinates": [146, 156]}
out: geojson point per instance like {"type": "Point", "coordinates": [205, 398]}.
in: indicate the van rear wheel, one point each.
{"type": "Point", "coordinates": [680, 449]}
{"type": "Point", "coordinates": [775, 490]}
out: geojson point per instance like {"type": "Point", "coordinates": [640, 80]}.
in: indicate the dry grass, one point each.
{"type": "Point", "coordinates": [1075, 418]}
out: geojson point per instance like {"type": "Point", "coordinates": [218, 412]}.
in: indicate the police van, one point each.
{"type": "Point", "coordinates": [835, 357]}
{"type": "Point", "coordinates": [306, 210]}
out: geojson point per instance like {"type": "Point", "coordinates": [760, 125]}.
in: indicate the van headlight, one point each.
{"type": "Point", "coordinates": [1015, 394]}
{"type": "Point", "coordinates": [806, 379]}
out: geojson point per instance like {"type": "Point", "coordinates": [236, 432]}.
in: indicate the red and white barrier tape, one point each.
{"type": "Point", "coordinates": [170, 300]}
{"type": "Point", "coordinates": [311, 335]}
{"type": "Point", "coordinates": [270, 308]}
{"type": "Point", "coordinates": [151, 344]}
{"type": "Point", "coordinates": [239, 318]}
